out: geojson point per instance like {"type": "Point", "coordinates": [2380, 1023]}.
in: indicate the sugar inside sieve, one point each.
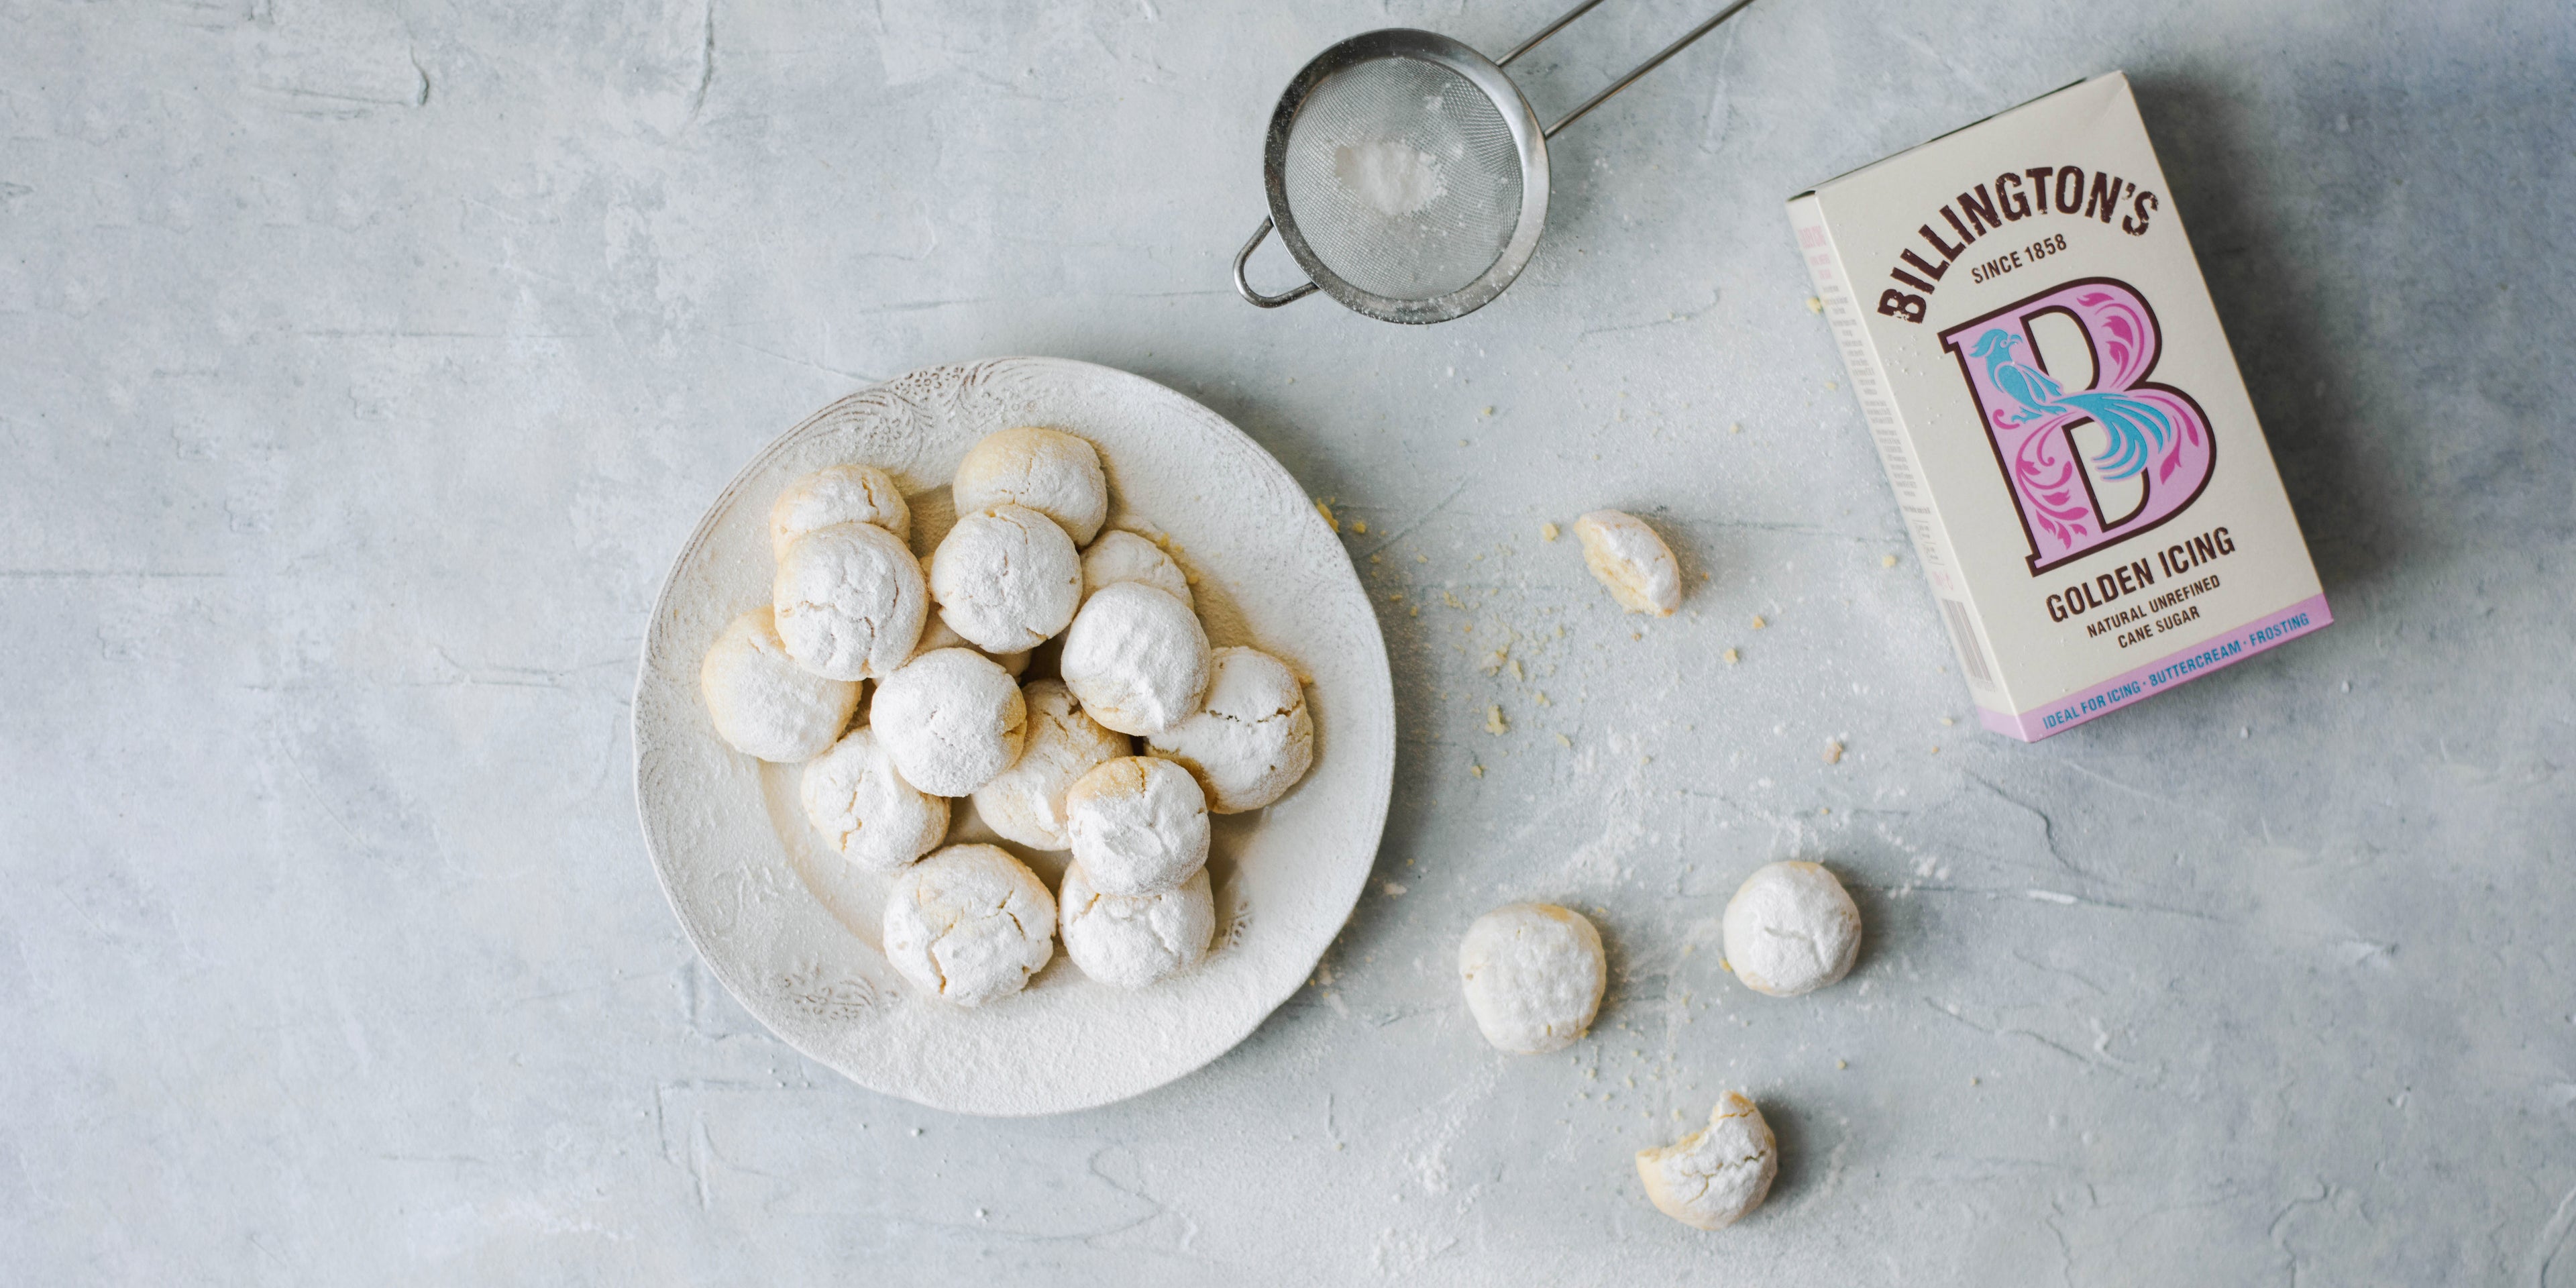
{"type": "Point", "coordinates": [1407, 174]}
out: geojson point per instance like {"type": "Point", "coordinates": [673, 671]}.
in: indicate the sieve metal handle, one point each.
{"type": "Point", "coordinates": [1243, 285]}
{"type": "Point", "coordinates": [1583, 7]}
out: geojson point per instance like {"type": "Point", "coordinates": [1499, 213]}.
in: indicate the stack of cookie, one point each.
{"type": "Point", "coordinates": [1049, 764]}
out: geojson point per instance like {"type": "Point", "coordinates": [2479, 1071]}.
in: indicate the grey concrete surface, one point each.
{"type": "Point", "coordinates": [361, 365]}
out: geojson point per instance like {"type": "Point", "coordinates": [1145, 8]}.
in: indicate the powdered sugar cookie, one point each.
{"type": "Point", "coordinates": [850, 601]}
{"type": "Point", "coordinates": [1137, 658]}
{"type": "Point", "coordinates": [1632, 561]}
{"type": "Point", "coordinates": [1712, 1177]}
{"type": "Point", "coordinates": [840, 494]}
{"type": "Point", "coordinates": [1791, 928]}
{"type": "Point", "coordinates": [762, 703]}
{"type": "Point", "coordinates": [1124, 556]}
{"type": "Point", "coordinates": [1025, 803]}
{"type": "Point", "coordinates": [864, 809]}
{"type": "Point", "coordinates": [951, 719]}
{"type": "Point", "coordinates": [970, 924]}
{"type": "Point", "coordinates": [1006, 578]}
{"type": "Point", "coordinates": [1049, 471]}
{"type": "Point", "coordinates": [1137, 825]}
{"type": "Point", "coordinates": [1133, 940]}
{"type": "Point", "coordinates": [1251, 740]}
{"type": "Point", "coordinates": [1533, 973]}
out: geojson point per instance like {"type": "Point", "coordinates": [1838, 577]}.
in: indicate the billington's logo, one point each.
{"type": "Point", "coordinates": [2151, 433]}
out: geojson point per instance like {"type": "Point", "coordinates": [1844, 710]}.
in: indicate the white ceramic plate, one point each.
{"type": "Point", "coordinates": [792, 929]}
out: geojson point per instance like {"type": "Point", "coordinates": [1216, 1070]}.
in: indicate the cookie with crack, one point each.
{"type": "Point", "coordinates": [1007, 578]}
{"type": "Point", "coordinates": [1790, 929]}
{"type": "Point", "coordinates": [1134, 940]}
{"type": "Point", "coordinates": [1252, 737]}
{"type": "Point", "coordinates": [1712, 1177]}
{"type": "Point", "coordinates": [862, 808]}
{"type": "Point", "coordinates": [970, 924]}
{"type": "Point", "coordinates": [850, 601]}
{"type": "Point", "coordinates": [951, 719]}
{"type": "Point", "coordinates": [1025, 803]}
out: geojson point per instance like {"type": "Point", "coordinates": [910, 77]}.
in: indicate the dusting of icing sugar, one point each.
{"type": "Point", "coordinates": [1395, 179]}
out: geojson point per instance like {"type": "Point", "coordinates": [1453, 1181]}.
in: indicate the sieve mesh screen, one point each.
{"type": "Point", "coordinates": [1402, 178]}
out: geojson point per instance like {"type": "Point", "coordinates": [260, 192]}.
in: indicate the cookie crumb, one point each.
{"type": "Point", "coordinates": [1325, 509]}
{"type": "Point", "coordinates": [1758, 623]}
{"type": "Point", "coordinates": [1494, 722]}
{"type": "Point", "coordinates": [1887, 561]}
{"type": "Point", "coordinates": [1815, 305]}
{"type": "Point", "coordinates": [1547, 532]}
{"type": "Point", "coordinates": [1477, 770]}
{"type": "Point", "coordinates": [1833, 753]}
{"type": "Point", "coordinates": [1360, 526]}
{"type": "Point", "coordinates": [1730, 656]}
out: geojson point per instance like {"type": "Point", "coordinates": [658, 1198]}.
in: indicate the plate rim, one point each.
{"type": "Point", "coordinates": [1380, 675]}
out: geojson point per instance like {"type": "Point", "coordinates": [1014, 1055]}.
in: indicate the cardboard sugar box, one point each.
{"type": "Point", "coordinates": [2057, 408]}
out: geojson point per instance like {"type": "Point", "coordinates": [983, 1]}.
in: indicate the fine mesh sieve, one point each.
{"type": "Point", "coordinates": [1407, 174]}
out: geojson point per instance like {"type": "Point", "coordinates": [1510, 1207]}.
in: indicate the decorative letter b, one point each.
{"type": "Point", "coordinates": [2155, 433]}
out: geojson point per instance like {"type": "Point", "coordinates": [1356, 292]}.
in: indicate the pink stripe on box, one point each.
{"type": "Point", "coordinates": [2164, 673]}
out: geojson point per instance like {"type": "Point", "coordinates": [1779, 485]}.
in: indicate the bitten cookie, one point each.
{"type": "Point", "coordinates": [1632, 561]}
{"type": "Point", "coordinates": [1252, 738]}
{"type": "Point", "coordinates": [1134, 940]}
{"type": "Point", "coordinates": [864, 809]}
{"type": "Point", "coordinates": [951, 719]}
{"type": "Point", "coordinates": [1124, 556]}
{"type": "Point", "coordinates": [1049, 471]}
{"type": "Point", "coordinates": [1791, 928]}
{"type": "Point", "coordinates": [970, 924]}
{"type": "Point", "coordinates": [840, 494]}
{"type": "Point", "coordinates": [1137, 658]}
{"type": "Point", "coordinates": [1025, 803]}
{"type": "Point", "coordinates": [762, 703]}
{"type": "Point", "coordinates": [850, 601]}
{"type": "Point", "coordinates": [1533, 973]}
{"type": "Point", "coordinates": [1712, 1177]}
{"type": "Point", "coordinates": [1006, 578]}
{"type": "Point", "coordinates": [1138, 825]}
